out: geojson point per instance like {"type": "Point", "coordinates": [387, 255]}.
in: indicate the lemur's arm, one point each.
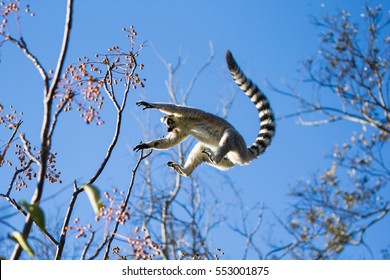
{"type": "Point", "coordinates": [170, 109]}
{"type": "Point", "coordinates": [173, 138]}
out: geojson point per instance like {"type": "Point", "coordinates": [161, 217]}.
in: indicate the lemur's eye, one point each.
{"type": "Point", "coordinates": [170, 121]}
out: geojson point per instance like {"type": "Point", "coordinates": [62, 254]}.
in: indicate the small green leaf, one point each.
{"type": "Point", "coordinates": [94, 197]}
{"type": "Point", "coordinates": [36, 214]}
{"type": "Point", "coordinates": [18, 237]}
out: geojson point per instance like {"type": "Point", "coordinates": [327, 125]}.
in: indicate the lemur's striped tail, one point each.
{"type": "Point", "coordinates": [267, 121]}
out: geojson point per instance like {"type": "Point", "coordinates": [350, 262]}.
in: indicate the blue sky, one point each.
{"type": "Point", "coordinates": [269, 40]}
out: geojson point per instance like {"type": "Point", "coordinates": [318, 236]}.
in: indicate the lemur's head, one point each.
{"type": "Point", "coordinates": [169, 121]}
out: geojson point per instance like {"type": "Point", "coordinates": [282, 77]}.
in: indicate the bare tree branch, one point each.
{"type": "Point", "coordinates": [22, 45]}
{"type": "Point", "coordinates": [61, 243]}
{"type": "Point", "coordinates": [45, 140]}
{"type": "Point", "coordinates": [198, 73]}
{"type": "Point", "coordinates": [118, 120]}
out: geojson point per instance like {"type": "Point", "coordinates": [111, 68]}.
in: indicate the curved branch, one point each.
{"type": "Point", "coordinates": [22, 45]}
{"type": "Point", "coordinates": [118, 121]}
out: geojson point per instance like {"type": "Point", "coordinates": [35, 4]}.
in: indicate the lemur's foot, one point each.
{"type": "Point", "coordinates": [209, 153]}
{"type": "Point", "coordinates": [176, 167]}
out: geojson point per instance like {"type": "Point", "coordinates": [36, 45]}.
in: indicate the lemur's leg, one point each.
{"type": "Point", "coordinates": [195, 158]}
{"type": "Point", "coordinates": [230, 151]}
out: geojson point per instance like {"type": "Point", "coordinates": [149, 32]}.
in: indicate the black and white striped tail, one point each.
{"type": "Point", "coordinates": [267, 121]}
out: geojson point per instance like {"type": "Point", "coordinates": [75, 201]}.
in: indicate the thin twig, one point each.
{"type": "Point", "coordinates": [85, 250]}
{"type": "Point", "coordinates": [27, 149]}
{"type": "Point", "coordinates": [61, 244]}
{"type": "Point", "coordinates": [197, 75]}
{"type": "Point", "coordinates": [16, 128]}
{"type": "Point", "coordinates": [134, 171]}
{"type": "Point", "coordinates": [100, 248]}
{"type": "Point", "coordinates": [57, 113]}
{"type": "Point", "coordinates": [16, 173]}
{"type": "Point", "coordinates": [24, 213]}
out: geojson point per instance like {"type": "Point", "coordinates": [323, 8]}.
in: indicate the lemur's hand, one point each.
{"type": "Point", "coordinates": [145, 104]}
{"type": "Point", "coordinates": [141, 146]}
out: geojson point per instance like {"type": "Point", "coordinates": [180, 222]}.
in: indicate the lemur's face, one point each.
{"type": "Point", "coordinates": [169, 121]}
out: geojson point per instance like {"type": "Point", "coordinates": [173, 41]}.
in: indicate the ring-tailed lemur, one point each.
{"type": "Point", "coordinates": [220, 144]}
